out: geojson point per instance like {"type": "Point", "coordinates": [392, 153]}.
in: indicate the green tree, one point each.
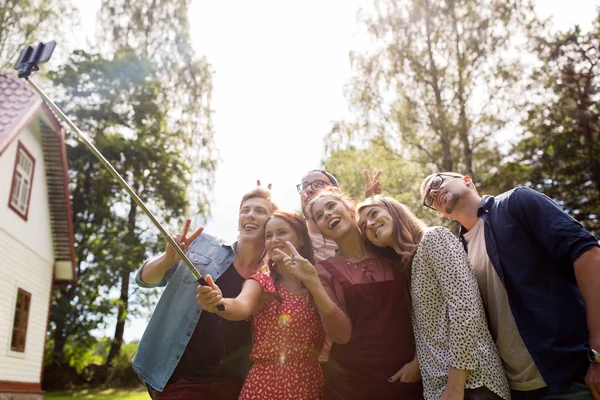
{"type": "Point", "coordinates": [560, 152]}
{"type": "Point", "coordinates": [115, 101]}
{"type": "Point", "coordinates": [401, 179]}
{"type": "Point", "coordinates": [25, 22]}
{"type": "Point", "coordinates": [437, 83]}
{"type": "Point", "coordinates": [158, 30]}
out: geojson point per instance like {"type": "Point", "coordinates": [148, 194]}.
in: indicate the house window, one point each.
{"type": "Point", "coordinates": [19, 333]}
{"type": "Point", "coordinates": [22, 182]}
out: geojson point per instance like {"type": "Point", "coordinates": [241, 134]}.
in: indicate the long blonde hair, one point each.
{"type": "Point", "coordinates": [407, 229]}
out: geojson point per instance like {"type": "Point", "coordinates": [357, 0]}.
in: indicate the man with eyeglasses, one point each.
{"type": "Point", "coordinates": [311, 184]}
{"type": "Point", "coordinates": [538, 271]}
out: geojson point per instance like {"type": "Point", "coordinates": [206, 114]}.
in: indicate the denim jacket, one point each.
{"type": "Point", "coordinates": [532, 244]}
{"type": "Point", "coordinates": [177, 312]}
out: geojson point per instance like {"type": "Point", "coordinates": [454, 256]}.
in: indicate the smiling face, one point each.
{"type": "Point", "coordinates": [332, 216]}
{"type": "Point", "coordinates": [377, 224]}
{"type": "Point", "coordinates": [444, 191]}
{"type": "Point", "coordinates": [311, 184]}
{"type": "Point", "coordinates": [254, 213]}
{"type": "Point", "coordinates": [277, 232]}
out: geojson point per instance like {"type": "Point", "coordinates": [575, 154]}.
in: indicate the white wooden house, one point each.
{"type": "Point", "coordinates": [36, 233]}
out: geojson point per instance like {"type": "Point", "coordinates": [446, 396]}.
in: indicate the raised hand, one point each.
{"type": "Point", "coordinates": [372, 187]}
{"type": "Point", "coordinates": [299, 266]}
{"type": "Point", "coordinates": [269, 186]}
{"type": "Point", "coordinates": [183, 240]}
{"type": "Point", "coordinates": [209, 296]}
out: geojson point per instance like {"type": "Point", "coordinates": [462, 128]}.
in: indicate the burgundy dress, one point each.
{"type": "Point", "coordinates": [381, 342]}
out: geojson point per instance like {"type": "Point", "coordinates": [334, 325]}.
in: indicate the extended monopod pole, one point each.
{"type": "Point", "coordinates": [28, 62]}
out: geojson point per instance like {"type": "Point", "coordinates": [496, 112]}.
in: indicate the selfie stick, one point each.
{"type": "Point", "coordinates": [27, 63]}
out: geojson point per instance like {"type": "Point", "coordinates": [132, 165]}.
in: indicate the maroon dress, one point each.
{"type": "Point", "coordinates": [381, 343]}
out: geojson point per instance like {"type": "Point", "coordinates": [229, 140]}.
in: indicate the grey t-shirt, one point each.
{"type": "Point", "coordinates": [521, 371]}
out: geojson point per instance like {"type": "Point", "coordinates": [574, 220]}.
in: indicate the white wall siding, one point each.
{"type": "Point", "coordinates": [35, 233]}
{"type": "Point", "coordinates": [20, 267]}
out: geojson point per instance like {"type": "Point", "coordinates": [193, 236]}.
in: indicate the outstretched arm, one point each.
{"type": "Point", "coordinates": [238, 309]}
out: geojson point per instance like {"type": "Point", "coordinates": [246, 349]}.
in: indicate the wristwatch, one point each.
{"type": "Point", "coordinates": [594, 356]}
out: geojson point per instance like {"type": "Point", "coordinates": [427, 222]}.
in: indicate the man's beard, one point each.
{"type": "Point", "coordinates": [451, 203]}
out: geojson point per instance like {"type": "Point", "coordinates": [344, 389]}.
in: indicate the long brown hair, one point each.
{"type": "Point", "coordinates": [407, 229]}
{"type": "Point", "coordinates": [298, 225]}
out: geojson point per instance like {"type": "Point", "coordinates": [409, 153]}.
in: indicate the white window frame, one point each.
{"type": "Point", "coordinates": [22, 182]}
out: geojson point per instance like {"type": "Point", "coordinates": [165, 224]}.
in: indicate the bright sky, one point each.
{"type": "Point", "coordinates": [279, 72]}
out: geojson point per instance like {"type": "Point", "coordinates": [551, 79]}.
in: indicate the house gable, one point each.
{"type": "Point", "coordinates": [20, 109]}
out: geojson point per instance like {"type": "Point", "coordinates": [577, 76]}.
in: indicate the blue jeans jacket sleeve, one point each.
{"type": "Point", "coordinates": [162, 283]}
{"type": "Point", "coordinates": [177, 311]}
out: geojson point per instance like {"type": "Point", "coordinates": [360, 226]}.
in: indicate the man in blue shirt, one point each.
{"type": "Point", "coordinates": [185, 353]}
{"type": "Point", "coordinates": [538, 271]}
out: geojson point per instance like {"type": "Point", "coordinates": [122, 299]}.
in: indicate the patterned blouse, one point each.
{"type": "Point", "coordinates": [449, 321]}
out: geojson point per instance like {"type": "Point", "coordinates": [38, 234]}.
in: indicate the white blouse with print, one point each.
{"type": "Point", "coordinates": [449, 320]}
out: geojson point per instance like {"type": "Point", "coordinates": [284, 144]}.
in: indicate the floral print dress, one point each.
{"type": "Point", "coordinates": [288, 337]}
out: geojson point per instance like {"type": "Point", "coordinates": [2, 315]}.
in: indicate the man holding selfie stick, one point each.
{"type": "Point", "coordinates": [185, 353]}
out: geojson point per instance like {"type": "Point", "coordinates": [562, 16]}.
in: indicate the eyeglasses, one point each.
{"type": "Point", "coordinates": [316, 185]}
{"type": "Point", "coordinates": [435, 184]}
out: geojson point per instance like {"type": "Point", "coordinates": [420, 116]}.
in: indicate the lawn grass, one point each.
{"type": "Point", "coordinates": [106, 394]}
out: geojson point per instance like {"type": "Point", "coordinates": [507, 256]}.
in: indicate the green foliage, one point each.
{"type": "Point", "coordinates": [560, 152]}
{"type": "Point", "coordinates": [121, 373]}
{"type": "Point", "coordinates": [26, 22]}
{"type": "Point", "coordinates": [401, 179]}
{"type": "Point", "coordinates": [437, 82]}
{"type": "Point", "coordinates": [116, 102]}
{"type": "Point", "coordinates": [105, 394]}
{"type": "Point", "coordinates": [87, 365]}
{"type": "Point", "coordinates": [158, 30]}
{"type": "Point", "coordinates": [145, 102]}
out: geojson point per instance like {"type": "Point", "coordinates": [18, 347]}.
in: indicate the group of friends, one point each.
{"type": "Point", "coordinates": [364, 301]}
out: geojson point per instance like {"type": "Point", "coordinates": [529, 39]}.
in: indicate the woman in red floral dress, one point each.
{"type": "Point", "coordinates": [287, 329]}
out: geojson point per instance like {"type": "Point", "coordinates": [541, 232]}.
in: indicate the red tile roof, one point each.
{"type": "Point", "coordinates": [19, 105]}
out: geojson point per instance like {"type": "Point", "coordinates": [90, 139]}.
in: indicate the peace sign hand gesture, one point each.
{"type": "Point", "coordinates": [183, 241]}
{"type": "Point", "coordinates": [372, 187]}
{"type": "Point", "coordinates": [299, 266]}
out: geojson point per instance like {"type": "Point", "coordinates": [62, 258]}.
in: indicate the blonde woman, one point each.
{"type": "Point", "coordinates": [457, 356]}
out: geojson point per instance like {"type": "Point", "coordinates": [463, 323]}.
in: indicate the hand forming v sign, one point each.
{"type": "Point", "coordinates": [269, 186]}
{"type": "Point", "coordinates": [182, 240]}
{"type": "Point", "coordinates": [372, 187]}
{"type": "Point", "coordinates": [299, 266]}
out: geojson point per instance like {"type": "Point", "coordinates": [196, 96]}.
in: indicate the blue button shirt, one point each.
{"type": "Point", "coordinates": [177, 312]}
{"type": "Point", "coordinates": [532, 244]}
